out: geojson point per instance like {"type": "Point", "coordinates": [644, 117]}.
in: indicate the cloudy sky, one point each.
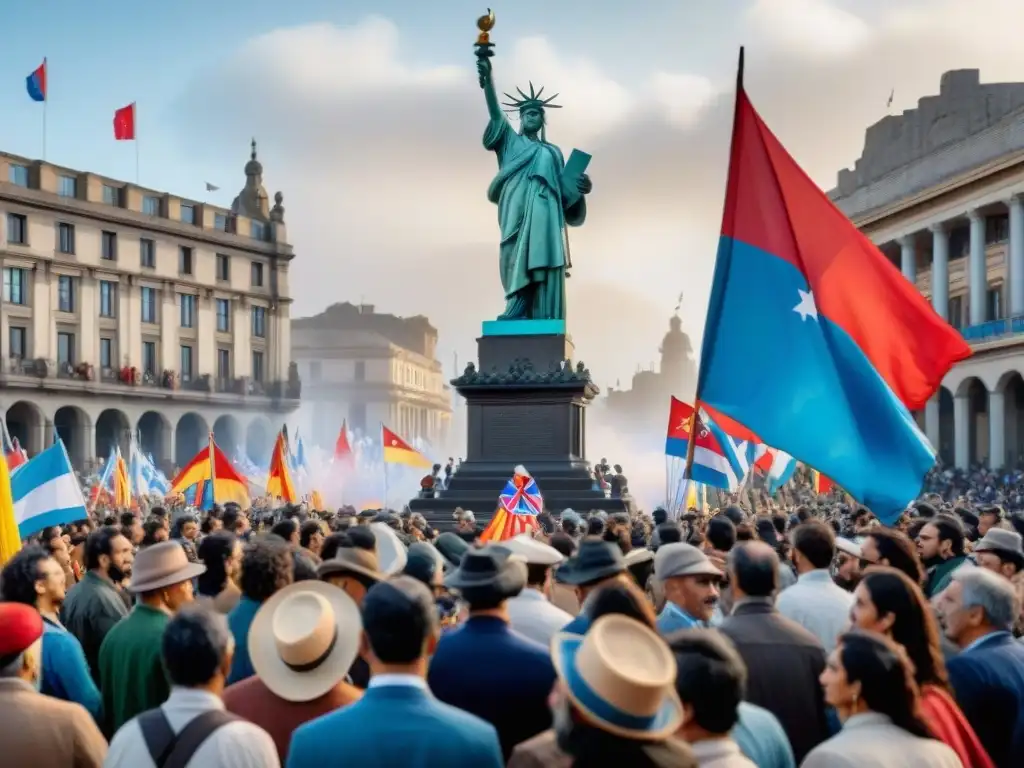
{"type": "Point", "coordinates": [369, 120]}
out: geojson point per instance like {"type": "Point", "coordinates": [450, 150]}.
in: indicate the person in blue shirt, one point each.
{"type": "Point", "coordinates": [34, 578]}
{"type": "Point", "coordinates": [691, 587]}
{"type": "Point", "coordinates": [397, 721]}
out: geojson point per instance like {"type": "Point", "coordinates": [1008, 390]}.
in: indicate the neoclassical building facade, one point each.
{"type": "Point", "coordinates": [126, 309]}
{"type": "Point", "coordinates": [940, 189]}
{"type": "Point", "coordinates": [366, 368]}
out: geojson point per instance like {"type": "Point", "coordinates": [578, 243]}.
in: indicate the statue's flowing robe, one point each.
{"type": "Point", "coordinates": [532, 215]}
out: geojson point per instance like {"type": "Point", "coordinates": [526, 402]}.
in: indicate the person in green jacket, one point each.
{"type": "Point", "coordinates": [132, 676]}
{"type": "Point", "coordinates": [941, 546]}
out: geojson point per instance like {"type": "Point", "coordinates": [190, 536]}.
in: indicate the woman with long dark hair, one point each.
{"type": "Point", "coordinates": [870, 682]}
{"type": "Point", "coordinates": [887, 601]}
{"type": "Point", "coordinates": [221, 552]}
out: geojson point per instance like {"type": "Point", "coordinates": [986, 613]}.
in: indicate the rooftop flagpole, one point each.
{"type": "Point", "coordinates": [46, 100]}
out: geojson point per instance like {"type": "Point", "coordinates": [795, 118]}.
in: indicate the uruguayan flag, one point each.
{"type": "Point", "coordinates": [47, 492]}
{"type": "Point", "coordinates": [146, 479]}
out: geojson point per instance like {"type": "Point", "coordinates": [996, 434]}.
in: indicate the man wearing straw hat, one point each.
{"type": "Point", "coordinates": [614, 703]}
{"type": "Point", "coordinates": [354, 571]}
{"type": "Point", "coordinates": [302, 643]}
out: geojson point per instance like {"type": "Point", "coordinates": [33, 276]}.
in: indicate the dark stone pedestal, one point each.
{"type": "Point", "coordinates": [526, 405]}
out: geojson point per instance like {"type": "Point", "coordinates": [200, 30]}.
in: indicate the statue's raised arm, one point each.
{"type": "Point", "coordinates": [483, 67]}
{"type": "Point", "coordinates": [484, 52]}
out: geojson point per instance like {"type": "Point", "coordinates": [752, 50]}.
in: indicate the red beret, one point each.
{"type": "Point", "coordinates": [20, 626]}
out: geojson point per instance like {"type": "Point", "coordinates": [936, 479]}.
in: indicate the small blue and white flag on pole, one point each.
{"type": "Point", "coordinates": [146, 479]}
{"type": "Point", "coordinates": [47, 492]}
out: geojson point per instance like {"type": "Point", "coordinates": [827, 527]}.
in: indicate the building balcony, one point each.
{"type": "Point", "coordinates": [994, 330]}
{"type": "Point", "coordinates": [17, 373]}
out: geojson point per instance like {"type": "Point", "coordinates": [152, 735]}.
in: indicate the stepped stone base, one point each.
{"type": "Point", "coordinates": [526, 405]}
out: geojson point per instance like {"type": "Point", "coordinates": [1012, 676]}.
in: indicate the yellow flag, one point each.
{"type": "Point", "coordinates": [10, 539]}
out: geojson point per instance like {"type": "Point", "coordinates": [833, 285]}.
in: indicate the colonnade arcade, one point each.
{"type": "Point", "coordinates": [173, 438]}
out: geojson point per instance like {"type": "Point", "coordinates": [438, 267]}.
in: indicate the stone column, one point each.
{"type": "Point", "coordinates": [978, 270]}
{"type": "Point", "coordinates": [89, 444]}
{"type": "Point", "coordinates": [908, 258]}
{"type": "Point", "coordinates": [940, 270]}
{"type": "Point", "coordinates": [961, 431]}
{"type": "Point", "coordinates": [931, 421]}
{"type": "Point", "coordinates": [996, 430]}
{"type": "Point", "coordinates": [1016, 276]}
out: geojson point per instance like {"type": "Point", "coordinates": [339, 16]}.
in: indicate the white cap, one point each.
{"type": "Point", "coordinates": [532, 551]}
{"type": "Point", "coordinates": [848, 546]}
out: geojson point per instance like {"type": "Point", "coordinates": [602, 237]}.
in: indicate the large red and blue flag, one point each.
{"type": "Point", "coordinates": [711, 465]}
{"type": "Point", "coordinates": [860, 345]}
{"type": "Point", "coordinates": [35, 83]}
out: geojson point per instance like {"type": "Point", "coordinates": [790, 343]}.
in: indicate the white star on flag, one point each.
{"type": "Point", "coordinates": [806, 306]}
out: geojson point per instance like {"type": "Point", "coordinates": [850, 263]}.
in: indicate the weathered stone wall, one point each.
{"type": "Point", "coordinates": [904, 154]}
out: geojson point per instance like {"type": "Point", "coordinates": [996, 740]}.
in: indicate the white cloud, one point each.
{"type": "Point", "coordinates": [683, 97]}
{"type": "Point", "coordinates": [807, 27]}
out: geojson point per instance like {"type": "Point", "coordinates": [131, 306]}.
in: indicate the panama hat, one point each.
{"type": "Point", "coordinates": [162, 565]}
{"type": "Point", "coordinates": [304, 639]}
{"type": "Point", "coordinates": [390, 549]}
{"type": "Point", "coordinates": [621, 675]}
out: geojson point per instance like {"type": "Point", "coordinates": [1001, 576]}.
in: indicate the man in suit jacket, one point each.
{"type": "Point", "coordinates": [397, 721]}
{"type": "Point", "coordinates": [783, 659]}
{"type": "Point", "coordinates": [978, 609]}
{"type": "Point", "coordinates": [485, 667]}
{"type": "Point", "coordinates": [38, 730]}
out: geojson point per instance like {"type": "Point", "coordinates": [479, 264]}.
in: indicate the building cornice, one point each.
{"type": "Point", "coordinates": [109, 214]}
{"type": "Point", "coordinates": [922, 199]}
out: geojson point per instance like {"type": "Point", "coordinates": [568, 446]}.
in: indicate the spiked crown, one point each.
{"type": "Point", "coordinates": [534, 100]}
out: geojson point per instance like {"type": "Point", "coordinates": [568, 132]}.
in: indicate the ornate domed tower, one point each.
{"type": "Point", "coordinates": [252, 201]}
{"type": "Point", "coordinates": [677, 366]}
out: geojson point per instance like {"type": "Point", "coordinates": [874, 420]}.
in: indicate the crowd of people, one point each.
{"type": "Point", "coordinates": [804, 634]}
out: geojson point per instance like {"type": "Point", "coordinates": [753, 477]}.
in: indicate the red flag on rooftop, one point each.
{"type": "Point", "coordinates": [124, 123]}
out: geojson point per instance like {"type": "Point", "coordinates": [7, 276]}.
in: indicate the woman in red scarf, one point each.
{"type": "Point", "coordinates": [888, 602]}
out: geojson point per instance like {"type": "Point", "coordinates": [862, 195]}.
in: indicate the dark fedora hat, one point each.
{"type": "Point", "coordinates": [595, 560]}
{"type": "Point", "coordinates": [452, 548]}
{"type": "Point", "coordinates": [490, 571]}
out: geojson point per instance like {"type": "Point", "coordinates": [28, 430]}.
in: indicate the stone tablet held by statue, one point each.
{"type": "Point", "coordinates": [536, 193]}
{"type": "Point", "coordinates": [575, 169]}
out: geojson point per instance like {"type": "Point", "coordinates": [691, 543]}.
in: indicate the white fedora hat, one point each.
{"type": "Point", "coordinates": [621, 675]}
{"type": "Point", "coordinates": [532, 551]}
{"type": "Point", "coordinates": [391, 552]}
{"type": "Point", "coordinates": [304, 639]}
